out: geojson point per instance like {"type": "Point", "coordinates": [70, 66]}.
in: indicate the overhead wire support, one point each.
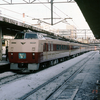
{"type": "Point", "coordinates": [51, 2]}
{"type": "Point", "coordinates": [26, 1]}
{"type": "Point", "coordinates": [33, 2]}
{"type": "Point", "coordinates": [51, 12]}
{"type": "Point", "coordinates": [6, 1]}
{"type": "Point", "coordinates": [41, 21]}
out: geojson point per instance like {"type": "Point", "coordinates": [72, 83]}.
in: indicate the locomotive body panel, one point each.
{"type": "Point", "coordinates": [25, 45]}
{"type": "Point", "coordinates": [31, 49]}
{"type": "Point", "coordinates": [53, 49]}
{"type": "Point", "coordinates": [74, 48]}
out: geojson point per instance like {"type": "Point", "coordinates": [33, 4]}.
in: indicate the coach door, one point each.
{"type": "Point", "coordinates": [45, 49]}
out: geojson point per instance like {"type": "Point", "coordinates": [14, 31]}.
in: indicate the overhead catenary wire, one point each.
{"type": "Point", "coordinates": [49, 8]}
{"type": "Point", "coordinates": [66, 15]}
{"type": "Point", "coordinates": [15, 18]}
{"type": "Point", "coordinates": [21, 15]}
{"type": "Point", "coordinates": [61, 11]}
{"type": "Point", "coordinates": [11, 10]}
{"type": "Point", "coordinates": [55, 13]}
{"type": "Point", "coordinates": [15, 12]}
{"type": "Point", "coordinates": [33, 18]}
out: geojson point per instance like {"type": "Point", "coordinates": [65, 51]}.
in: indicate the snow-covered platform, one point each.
{"type": "Point", "coordinates": [82, 87]}
{"type": "Point", "coordinates": [4, 64]}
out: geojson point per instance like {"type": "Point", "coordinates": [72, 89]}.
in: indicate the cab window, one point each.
{"type": "Point", "coordinates": [31, 36]}
{"type": "Point", "coordinates": [19, 36]}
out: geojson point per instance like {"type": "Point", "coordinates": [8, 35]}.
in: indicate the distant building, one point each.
{"type": "Point", "coordinates": [70, 27]}
{"type": "Point", "coordinates": [69, 32]}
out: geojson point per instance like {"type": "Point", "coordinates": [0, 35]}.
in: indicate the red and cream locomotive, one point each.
{"type": "Point", "coordinates": [31, 51]}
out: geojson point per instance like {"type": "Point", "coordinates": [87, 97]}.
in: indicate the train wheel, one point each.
{"type": "Point", "coordinates": [48, 64]}
{"type": "Point", "coordinates": [41, 66]}
{"type": "Point", "coordinates": [54, 62]}
{"type": "Point", "coordinates": [61, 59]}
{"type": "Point", "coordinates": [64, 58]}
{"type": "Point", "coordinates": [31, 71]}
{"type": "Point", "coordinates": [51, 63]}
{"type": "Point", "coordinates": [57, 61]}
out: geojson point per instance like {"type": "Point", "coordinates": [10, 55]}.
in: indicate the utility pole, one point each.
{"type": "Point", "coordinates": [51, 12]}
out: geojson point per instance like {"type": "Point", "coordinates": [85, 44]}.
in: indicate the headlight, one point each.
{"type": "Point", "coordinates": [22, 55]}
{"type": "Point", "coordinates": [11, 53]}
{"type": "Point", "coordinates": [33, 54]}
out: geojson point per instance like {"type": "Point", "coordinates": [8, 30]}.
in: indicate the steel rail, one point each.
{"type": "Point", "coordinates": [6, 77]}
{"type": "Point", "coordinates": [69, 79]}
{"type": "Point", "coordinates": [10, 78]}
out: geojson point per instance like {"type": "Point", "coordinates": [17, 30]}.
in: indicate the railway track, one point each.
{"type": "Point", "coordinates": [54, 86]}
{"type": "Point", "coordinates": [10, 77]}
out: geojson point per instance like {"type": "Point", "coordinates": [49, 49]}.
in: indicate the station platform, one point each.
{"type": "Point", "coordinates": [86, 85]}
{"type": "Point", "coordinates": [4, 65]}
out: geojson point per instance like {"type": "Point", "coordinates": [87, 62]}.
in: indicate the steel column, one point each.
{"type": "Point", "coordinates": [51, 12]}
{"type": "Point", "coordinates": [0, 43]}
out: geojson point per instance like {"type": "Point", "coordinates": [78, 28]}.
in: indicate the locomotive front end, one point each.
{"type": "Point", "coordinates": [24, 52]}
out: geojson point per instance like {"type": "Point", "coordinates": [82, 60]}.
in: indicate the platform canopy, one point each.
{"type": "Point", "coordinates": [91, 12]}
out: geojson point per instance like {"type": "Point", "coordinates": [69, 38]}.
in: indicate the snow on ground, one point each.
{"type": "Point", "coordinates": [16, 89]}
{"type": "Point", "coordinates": [90, 74]}
{"type": "Point", "coordinates": [5, 74]}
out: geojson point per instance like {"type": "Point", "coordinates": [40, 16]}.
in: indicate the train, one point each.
{"type": "Point", "coordinates": [30, 51]}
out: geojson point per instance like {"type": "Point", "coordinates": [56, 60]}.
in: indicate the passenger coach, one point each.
{"type": "Point", "coordinates": [31, 51]}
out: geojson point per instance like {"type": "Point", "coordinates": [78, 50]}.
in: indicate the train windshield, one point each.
{"type": "Point", "coordinates": [28, 35]}
{"type": "Point", "coordinates": [19, 36]}
{"type": "Point", "coordinates": [31, 36]}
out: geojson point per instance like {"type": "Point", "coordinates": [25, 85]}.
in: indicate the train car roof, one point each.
{"type": "Point", "coordinates": [43, 36]}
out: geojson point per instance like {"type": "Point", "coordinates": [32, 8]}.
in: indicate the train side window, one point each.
{"type": "Point", "coordinates": [62, 47]}
{"type": "Point", "coordinates": [19, 36]}
{"type": "Point", "coordinates": [45, 47]}
{"type": "Point", "coordinates": [67, 47]}
{"type": "Point", "coordinates": [51, 46]}
{"type": "Point", "coordinates": [31, 36]}
{"type": "Point", "coordinates": [57, 47]}
{"type": "Point", "coordinates": [70, 47]}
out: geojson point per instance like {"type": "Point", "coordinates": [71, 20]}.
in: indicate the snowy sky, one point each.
{"type": "Point", "coordinates": [61, 10]}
